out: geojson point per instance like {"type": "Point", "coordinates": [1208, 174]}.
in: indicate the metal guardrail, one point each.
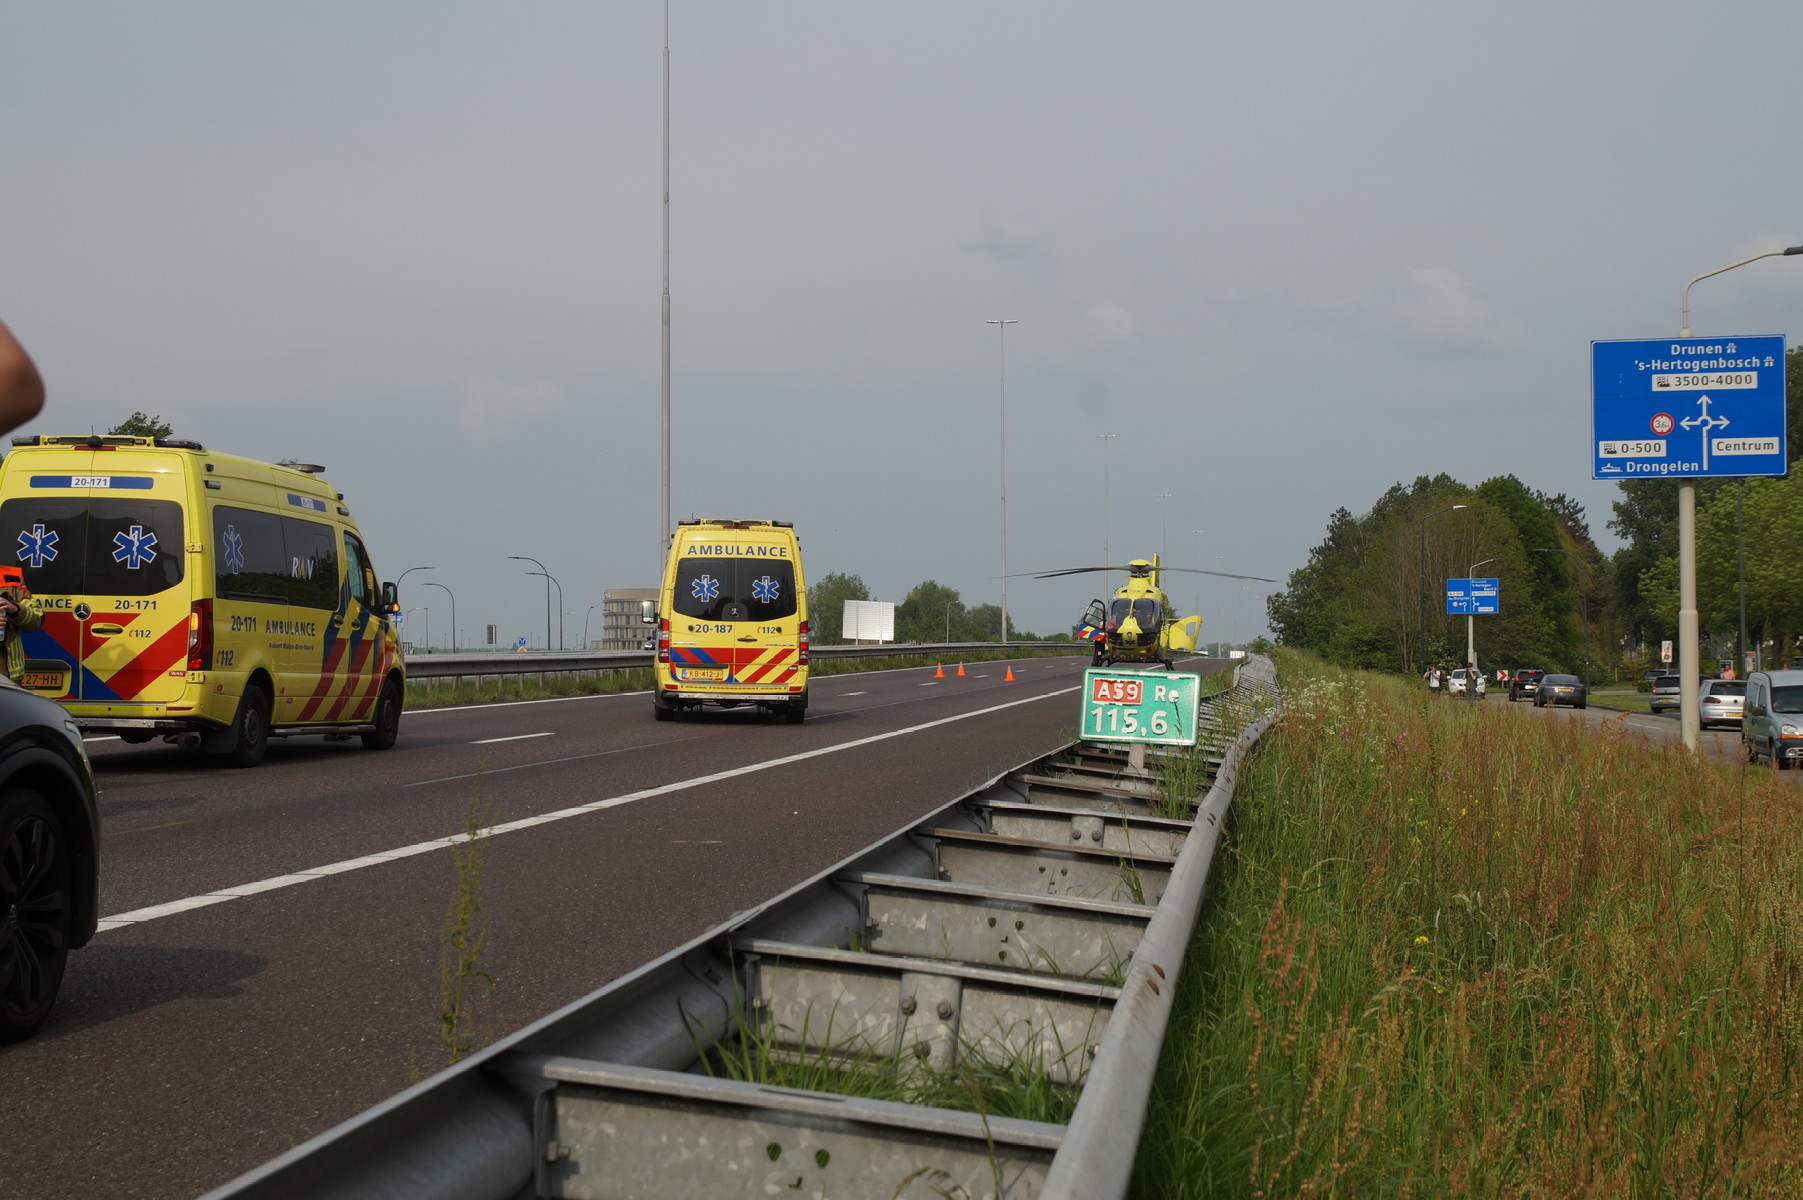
{"type": "Point", "coordinates": [561, 662]}
{"type": "Point", "coordinates": [1014, 925]}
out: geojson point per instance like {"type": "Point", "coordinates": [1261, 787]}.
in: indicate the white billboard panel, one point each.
{"type": "Point", "coordinates": [869, 621]}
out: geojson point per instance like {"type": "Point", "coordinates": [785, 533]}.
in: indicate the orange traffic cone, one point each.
{"type": "Point", "coordinates": [939, 671]}
{"type": "Point", "coordinates": [1010, 678]}
{"type": "Point", "coordinates": [960, 668]}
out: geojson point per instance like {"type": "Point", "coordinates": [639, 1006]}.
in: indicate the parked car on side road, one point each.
{"type": "Point", "coordinates": [1772, 726]}
{"type": "Point", "coordinates": [1455, 682]}
{"type": "Point", "coordinates": [1561, 689]}
{"type": "Point", "coordinates": [1523, 683]}
{"type": "Point", "coordinates": [49, 855]}
{"type": "Point", "coordinates": [1665, 694]}
{"type": "Point", "coordinates": [1719, 701]}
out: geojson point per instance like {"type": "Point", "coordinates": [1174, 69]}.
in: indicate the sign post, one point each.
{"type": "Point", "coordinates": [1688, 408]}
{"type": "Point", "coordinates": [1471, 597]}
{"type": "Point", "coordinates": [1140, 708]}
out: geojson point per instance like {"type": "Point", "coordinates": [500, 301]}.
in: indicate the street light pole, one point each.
{"type": "Point", "coordinates": [663, 529]}
{"type": "Point", "coordinates": [1471, 636]}
{"type": "Point", "coordinates": [1584, 601]}
{"type": "Point", "coordinates": [560, 613]}
{"type": "Point", "coordinates": [1106, 438]}
{"type": "Point", "coordinates": [1421, 649]}
{"type": "Point", "coordinates": [1198, 533]}
{"type": "Point", "coordinates": [585, 617]}
{"type": "Point", "coordinates": [1689, 672]}
{"type": "Point", "coordinates": [447, 591]}
{"type": "Point", "coordinates": [541, 571]}
{"type": "Point", "coordinates": [1001, 329]}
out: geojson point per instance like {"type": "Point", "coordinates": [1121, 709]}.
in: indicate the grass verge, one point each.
{"type": "Point", "coordinates": [1454, 950]}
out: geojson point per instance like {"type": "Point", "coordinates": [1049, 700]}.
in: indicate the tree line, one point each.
{"type": "Point", "coordinates": [1372, 593]}
{"type": "Point", "coordinates": [931, 612]}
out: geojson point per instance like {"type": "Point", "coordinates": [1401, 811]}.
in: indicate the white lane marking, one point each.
{"type": "Point", "coordinates": [518, 737]}
{"type": "Point", "coordinates": [453, 708]}
{"type": "Point", "coordinates": [854, 693]}
{"type": "Point", "coordinates": [109, 738]}
{"type": "Point", "coordinates": [172, 907]}
{"type": "Point", "coordinates": [930, 683]}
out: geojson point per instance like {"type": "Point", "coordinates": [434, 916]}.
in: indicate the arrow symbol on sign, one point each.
{"type": "Point", "coordinates": [1707, 423]}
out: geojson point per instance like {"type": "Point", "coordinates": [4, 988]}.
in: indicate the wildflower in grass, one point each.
{"type": "Point", "coordinates": [1423, 940]}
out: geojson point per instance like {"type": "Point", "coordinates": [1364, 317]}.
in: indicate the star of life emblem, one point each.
{"type": "Point", "coordinates": [706, 589]}
{"type": "Point", "coordinates": [234, 549]}
{"type": "Point", "coordinates": [765, 590]}
{"type": "Point", "coordinates": [135, 547]}
{"type": "Point", "coordinates": [37, 546]}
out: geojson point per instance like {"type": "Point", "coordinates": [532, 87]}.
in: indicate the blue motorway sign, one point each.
{"type": "Point", "coordinates": [1470, 596]}
{"type": "Point", "coordinates": [1687, 408]}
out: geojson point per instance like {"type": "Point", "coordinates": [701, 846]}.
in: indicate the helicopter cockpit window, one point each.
{"type": "Point", "coordinates": [1145, 613]}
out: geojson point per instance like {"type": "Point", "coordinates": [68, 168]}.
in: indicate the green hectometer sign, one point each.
{"type": "Point", "coordinates": [1140, 706]}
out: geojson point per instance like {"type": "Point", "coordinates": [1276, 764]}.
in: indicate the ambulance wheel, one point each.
{"type": "Point", "coordinates": [796, 710]}
{"type": "Point", "coordinates": [662, 711]}
{"type": "Point", "coordinates": [388, 719]}
{"type": "Point", "coordinates": [36, 917]}
{"type": "Point", "coordinates": [250, 728]}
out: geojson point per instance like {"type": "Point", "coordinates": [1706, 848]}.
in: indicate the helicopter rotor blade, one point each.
{"type": "Point", "coordinates": [1051, 574]}
{"type": "Point", "coordinates": [1221, 574]}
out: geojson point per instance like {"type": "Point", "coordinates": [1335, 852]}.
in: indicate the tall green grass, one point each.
{"type": "Point", "coordinates": [1457, 950]}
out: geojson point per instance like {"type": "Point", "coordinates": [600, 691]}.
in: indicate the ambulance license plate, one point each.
{"type": "Point", "coordinates": [700, 673]}
{"type": "Point", "coordinates": [48, 680]}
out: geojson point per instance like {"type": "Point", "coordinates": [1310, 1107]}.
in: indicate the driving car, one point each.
{"type": "Point", "coordinates": [49, 855]}
{"type": "Point", "coordinates": [1665, 694]}
{"type": "Point", "coordinates": [1719, 701]}
{"type": "Point", "coordinates": [1523, 683]}
{"type": "Point", "coordinates": [1773, 718]}
{"type": "Point", "coordinates": [1561, 689]}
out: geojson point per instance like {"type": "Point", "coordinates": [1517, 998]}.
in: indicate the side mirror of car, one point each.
{"type": "Point", "coordinates": [1755, 710]}
{"type": "Point", "coordinates": [391, 598]}
{"type": "Point", "coordinates": [648, 612]}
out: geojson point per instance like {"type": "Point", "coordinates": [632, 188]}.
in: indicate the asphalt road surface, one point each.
{"type": "Point", "coordinates": [1721, 743]}
{"type": "Point", "coordinates": [269, 960]}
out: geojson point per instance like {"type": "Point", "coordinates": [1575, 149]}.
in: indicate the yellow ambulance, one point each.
{"type": "Point", "coordinates": [732, 620]}
{"type": "Point", "coordinates": [211, 600]}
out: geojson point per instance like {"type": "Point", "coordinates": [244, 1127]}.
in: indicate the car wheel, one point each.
{"type": "Point", "coordinates": [251, 729]}
{"type": "Point", "coordinates": [662, 711]}
{"type": "Point", "coordinates": [797, 711]}
{"type": "Point", "coordinates": [1582, 704]}
{"type": "Point", "coordinates": [36, 919]}
{"type": "Point", "coordinates": [388, 718]}
{"type": "Point", "coordinates": [1750, 750]}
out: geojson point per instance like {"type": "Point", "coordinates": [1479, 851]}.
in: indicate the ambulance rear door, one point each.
{"type": "Point", "coordinates": [100, 538]}
{"type": "Point", "coordinates": [737, 621]}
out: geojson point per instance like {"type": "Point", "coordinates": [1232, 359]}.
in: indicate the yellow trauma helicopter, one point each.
{"type": "Point", "coordinates": [1139, 625]}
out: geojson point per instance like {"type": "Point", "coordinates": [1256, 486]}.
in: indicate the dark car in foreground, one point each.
{"type": "Point", "coordinates": [1561, 689]}
{"type": "Point", "coordinates": [1523, 683]}
{"type": "Point", "coordinates": [49, 855]}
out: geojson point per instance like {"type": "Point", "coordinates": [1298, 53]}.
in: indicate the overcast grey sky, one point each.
{"type": "Point", "coordinates": [1289, 253]}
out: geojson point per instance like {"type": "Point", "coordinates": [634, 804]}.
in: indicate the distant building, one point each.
{"type": "Point", "coordinates": [621, 628]}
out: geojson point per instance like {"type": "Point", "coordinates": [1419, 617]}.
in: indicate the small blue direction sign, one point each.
{"type": "Point", "coordinates": [1687, 408]}
{"type": "Point", "coordinates": [1466, 597]}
